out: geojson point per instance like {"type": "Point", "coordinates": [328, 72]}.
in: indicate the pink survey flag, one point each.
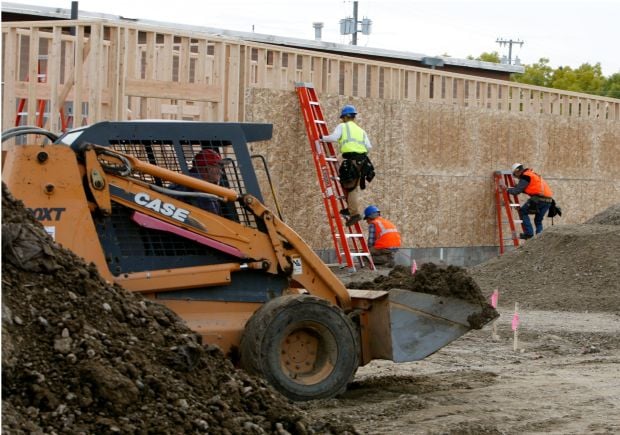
{"type": "Point", "coordinates": [515, 321]}
{"type": "Point", "coordinates": [494, 298]}
{"type": "Point", "coordinates": [414, 267]}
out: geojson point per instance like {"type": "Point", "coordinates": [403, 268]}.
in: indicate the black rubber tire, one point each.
{"type": "Point", "coordinates": [335, 345]}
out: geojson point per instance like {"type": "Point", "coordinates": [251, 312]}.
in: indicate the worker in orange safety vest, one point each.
{"type": "Point", "coordinates": [383, 237]}
{"type": "Point", "coordinates": [540, 198]}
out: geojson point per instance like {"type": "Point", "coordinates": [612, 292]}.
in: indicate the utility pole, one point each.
{"type": "Point", "coordinates": [354, 39]}
{"type": "Point", "coordinates": [348, 26]}
{"type": "Point", "coordinates": [509, 43]}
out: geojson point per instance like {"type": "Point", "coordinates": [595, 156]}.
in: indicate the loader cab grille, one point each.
{"type": "Point", "coordinates": [174, 145]}
{"type": "Point", "coordinates": [181, 158]}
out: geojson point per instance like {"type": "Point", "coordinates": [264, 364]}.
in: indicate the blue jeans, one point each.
{"type": "Point", "coordinates": [543, 208]}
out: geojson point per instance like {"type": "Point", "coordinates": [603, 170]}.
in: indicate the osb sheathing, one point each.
{"type": "Point", "coordinates": [435, 162]}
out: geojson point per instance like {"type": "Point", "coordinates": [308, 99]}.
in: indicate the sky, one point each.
{"type": "Point", "coordinates": [567, 32]}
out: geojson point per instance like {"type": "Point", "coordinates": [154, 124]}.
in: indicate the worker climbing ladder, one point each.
{"type": "Point", "coordinates": [508, 210]}
{"type": "Point", "coordinates": [350, 244]}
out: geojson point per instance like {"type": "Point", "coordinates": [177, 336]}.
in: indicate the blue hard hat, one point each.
{"type": "Point", "coordinates": [348, 110]}
{"type": "Point", "coordinates": [370, 210]}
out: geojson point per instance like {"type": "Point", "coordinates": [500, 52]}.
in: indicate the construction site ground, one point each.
{"type": "Point", "coordinates": [82, 356]}
{"type": "Point", "coordinates": [564, 377]}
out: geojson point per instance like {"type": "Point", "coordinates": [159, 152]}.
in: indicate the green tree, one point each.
{"type": "Point", "coordinates": [487, 57]}
{"type": "Point", "coordinates": [587, 78]}
{"type": "Point", "coordinates": [538, 74]}
{"type": "Point", "coordinates": [612, 86]}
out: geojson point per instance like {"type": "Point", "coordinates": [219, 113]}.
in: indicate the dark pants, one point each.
{"type": "Point", "coordinates": [541, 209]}
{"type": "Point", "coordinates": [383, 256]}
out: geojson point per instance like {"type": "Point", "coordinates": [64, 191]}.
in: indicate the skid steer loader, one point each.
{"type": "Point", "coordinates": [239, 277]}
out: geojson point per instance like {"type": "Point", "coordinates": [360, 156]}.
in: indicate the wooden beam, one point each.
{"type": "Point", "coordinates": [174, 91]}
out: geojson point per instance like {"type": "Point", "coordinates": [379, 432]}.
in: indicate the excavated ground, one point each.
{"type": "Point", "coordinates": [558, 373]}
{"type": "Point", "coordinates": [81, 356]}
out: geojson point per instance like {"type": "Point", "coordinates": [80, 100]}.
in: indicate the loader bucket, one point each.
{"type": "Point", "coordinates": [402, 325]}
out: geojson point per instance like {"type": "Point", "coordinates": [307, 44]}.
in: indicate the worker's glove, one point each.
{"type": "Point", "coordinates": [502, 185]}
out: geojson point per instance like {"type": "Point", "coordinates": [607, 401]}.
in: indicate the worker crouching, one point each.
{"type": "Point", "coordinates": [383, 237]}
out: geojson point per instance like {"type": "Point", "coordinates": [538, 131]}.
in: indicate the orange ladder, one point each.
{"type": "Point", "coordinates": [350, 246]}
{"type": "Point", "coordinates": [507, 206]}
{"type": "Point", "coordinates": [41, 104]}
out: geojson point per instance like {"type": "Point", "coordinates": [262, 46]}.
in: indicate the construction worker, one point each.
{"type": "Point", "coordinates": [539, 201]}
{"type": "Point", "coordinates": [206, 165]}
{"type": "Point", "coordinates": [355, 167]}
{"type": "Point", "coordinates": [383, 237]}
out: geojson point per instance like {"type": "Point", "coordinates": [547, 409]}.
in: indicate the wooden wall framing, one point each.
{"type": "Point", "coordinates": [97, 70]}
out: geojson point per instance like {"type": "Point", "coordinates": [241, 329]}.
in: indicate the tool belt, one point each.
{"type": "Point", "coordinates": [538, 198]}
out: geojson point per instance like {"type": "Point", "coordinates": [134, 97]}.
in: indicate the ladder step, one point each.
{"type": "Point", "coordinates": [313, 103]}
{"type": "Point", "coordinates": [360, 254]}
{"type": "Point", "coordinates": [318, 121]}
{"type": "Point", "coordinates": [353, 235]}
{"type": "Point", "coordinates": [331, 159]}
{"type": "Point", "coordinates": [514, 205]}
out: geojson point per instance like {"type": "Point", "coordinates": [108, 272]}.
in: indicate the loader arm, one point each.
{"type": "Point", "coordinates": [279, 250]}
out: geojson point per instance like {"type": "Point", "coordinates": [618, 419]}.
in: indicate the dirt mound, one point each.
{"type": "Point", "coordinates": [567, 267]}
{"type": "Point", "coordinates": [611, 216]}
{"type": "Point", "coordinates": [430, 278]}
{"type": "Point", "coordinates": [83, 356]}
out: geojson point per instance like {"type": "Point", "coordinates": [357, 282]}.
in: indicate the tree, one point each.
{"type": "Point", "coordinates": [586, 78]}
{"type": "Point", "coordinates": [612, 86]}
{"type": "Point", "coordinates": [492, 57]}
{"type": "Point", "coordinates": [538, 74]}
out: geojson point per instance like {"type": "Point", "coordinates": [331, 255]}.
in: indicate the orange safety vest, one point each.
{"type": "Point", "coordinates": [387, 236]}
{"type": "Point", "coordinates": [537, 186]}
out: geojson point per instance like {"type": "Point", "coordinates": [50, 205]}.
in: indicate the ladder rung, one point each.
{"type": "Point", "coordinates": [359, 254]}
{"type": "Point", "coordinates": [353, 235]}
{"type": "Point", "coordinates": [514, 205]}
{"type": "Point", "coordinates": [331, 159]}
{"type": "Point", "coordinates": [313, 103]}
{"type": "Point", "coordinates": [318, 121]}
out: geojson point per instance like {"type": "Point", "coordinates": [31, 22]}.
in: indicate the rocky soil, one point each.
{"type": "Point", "coordinates": [81, 356]}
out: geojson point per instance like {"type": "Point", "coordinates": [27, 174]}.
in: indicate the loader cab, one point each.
{"type": "Point", "coordinates": [173, 145]}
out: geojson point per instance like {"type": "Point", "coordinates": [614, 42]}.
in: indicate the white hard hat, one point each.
{"type": "Point", "coordinates": [516, 166]}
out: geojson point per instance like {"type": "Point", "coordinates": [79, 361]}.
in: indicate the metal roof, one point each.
{"type": "Point", "coordinates": [61, 13]}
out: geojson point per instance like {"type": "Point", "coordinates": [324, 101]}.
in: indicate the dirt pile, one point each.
{"type": "Point", "coordinates": [430, 278]}
{"type": "Point", "coordinates": [567, 268]}
{"type": "Point", "coordinates": [83, 356]}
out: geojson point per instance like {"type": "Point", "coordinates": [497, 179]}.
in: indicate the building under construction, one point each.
{"type": "Point", "coordinates": [439, 134]}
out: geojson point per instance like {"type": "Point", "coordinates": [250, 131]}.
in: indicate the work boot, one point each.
{"type": "Point", "coordinates": [353, 220]}
{"type": "Point", "coordinates": [345, 213]}
{"type": "Point", "coordinates": [525, 236]}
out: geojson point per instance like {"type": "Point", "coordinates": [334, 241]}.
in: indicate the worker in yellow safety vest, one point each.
{"type": "Point", "coordinates": [355, 168]}
{"type": "Point", "coordinates": [383, 237]}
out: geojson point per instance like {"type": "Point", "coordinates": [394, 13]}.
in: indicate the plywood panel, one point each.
{"type": "Point", "coordinates": [435, 162]}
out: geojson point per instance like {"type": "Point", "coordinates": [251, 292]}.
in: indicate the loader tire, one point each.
{"type": "Point", "coordinates": [304, 346]}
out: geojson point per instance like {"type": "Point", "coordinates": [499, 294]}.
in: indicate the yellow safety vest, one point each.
{"type": "Point", "coordinates": [352, 139]}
